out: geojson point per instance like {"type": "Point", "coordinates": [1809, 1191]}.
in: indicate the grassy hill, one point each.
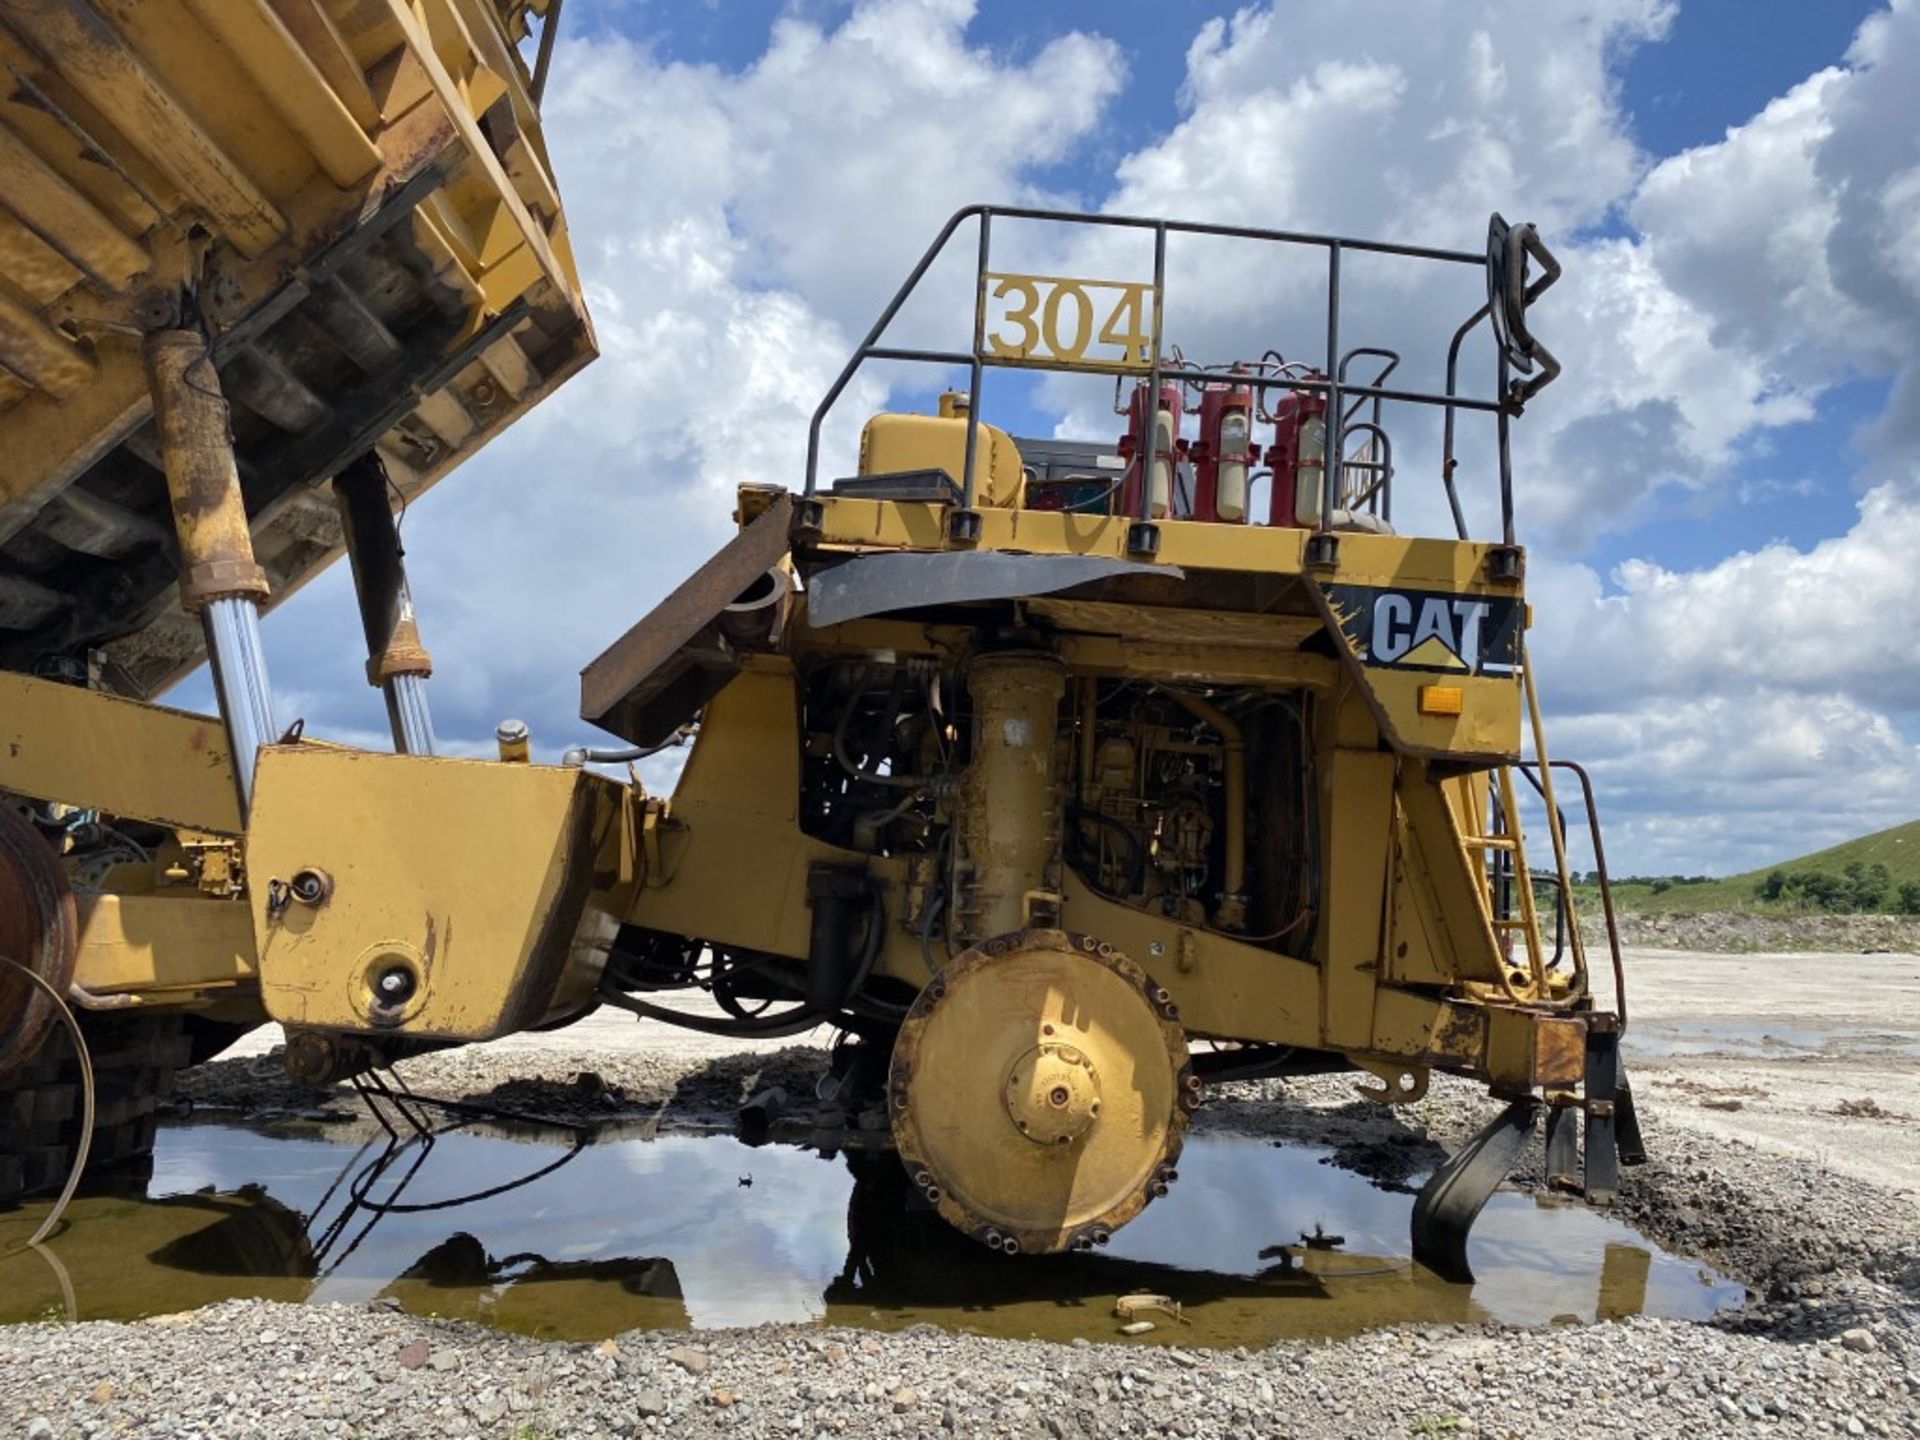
{"type": "Point", "coordinates": [1897, 849]}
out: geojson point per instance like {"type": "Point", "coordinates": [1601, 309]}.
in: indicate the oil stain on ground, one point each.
{"type": "Point", "coordinates": [698, 1231]}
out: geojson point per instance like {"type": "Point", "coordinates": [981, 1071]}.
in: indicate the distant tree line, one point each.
{"type": "Point", "coordinates": [1659, 884]}
{"type": "Point", "coordinates": [1858, 889]}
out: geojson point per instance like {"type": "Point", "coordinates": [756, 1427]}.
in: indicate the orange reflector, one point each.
{"type": "Point", "coordinates": [1440, 699]}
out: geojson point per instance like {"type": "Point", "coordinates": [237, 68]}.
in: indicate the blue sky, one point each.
{"type": "Point", "coordinates": [1717, 497]}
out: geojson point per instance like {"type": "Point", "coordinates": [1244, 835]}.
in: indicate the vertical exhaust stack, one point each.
{"type": "Point", "coordinates": [219, 578]}
{"type": "Point", "coordinates": [1009, 816]}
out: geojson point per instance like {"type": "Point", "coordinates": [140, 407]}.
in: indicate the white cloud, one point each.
{"type": "Point", "coordinates": [1367, 120]}
{"type": "Point", "coordinates": [1733, 782]}
{"type": "Point", "coordinates": [1797, 233]}
{"type": "Point", "coordinates": [1835, 618]}
{"type": "Point", "coordinates": [1749, 710]}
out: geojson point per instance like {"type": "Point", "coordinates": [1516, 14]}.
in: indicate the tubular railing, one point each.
{"type": "Point", "coordinates": [1504, 263]}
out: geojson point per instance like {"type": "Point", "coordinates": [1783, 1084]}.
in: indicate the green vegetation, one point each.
{"type": "Point", "coordinates": [1875, 874]}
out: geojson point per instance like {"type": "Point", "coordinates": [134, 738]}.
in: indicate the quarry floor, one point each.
{"type": "Point", "coordinates": [1780, 1097]}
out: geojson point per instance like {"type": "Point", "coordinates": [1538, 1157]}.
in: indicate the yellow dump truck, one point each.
{"type": "Point", "coordinates": [1061, 779]}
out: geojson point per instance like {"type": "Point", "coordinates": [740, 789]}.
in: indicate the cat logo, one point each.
{"type": "Point", "coordinates": [1433, 630]}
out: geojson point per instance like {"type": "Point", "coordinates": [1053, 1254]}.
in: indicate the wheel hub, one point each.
{"type": "Point", "coordinates": [1039, 1091]}
{"type": "Point", "coordinates": [1053, 1094]}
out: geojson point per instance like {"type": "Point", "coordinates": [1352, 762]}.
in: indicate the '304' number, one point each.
{"type": "Point", "coordinates": [1049, 319]}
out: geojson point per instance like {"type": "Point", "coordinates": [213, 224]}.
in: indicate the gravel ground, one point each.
{"type": "Point", "coordinates": [249, 1368]}
{"type": "Point", "coordinates": [1829, 1345]}
{"type": "Point", "coordinates": [1747, 932]}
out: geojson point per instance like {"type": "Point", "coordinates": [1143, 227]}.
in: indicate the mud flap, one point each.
{"type": "Point", "coordinates": [1451, 1201]}
{"type": "Point", "coordinates": [1613, 1124]}
{"type": "Point", "coordinates": [1563, 1142]}
{"type": "Point", "coordinates": [1602, 1157]}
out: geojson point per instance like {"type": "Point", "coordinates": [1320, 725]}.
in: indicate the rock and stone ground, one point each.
{"type": "Point", "coordinates": [1804, 1191]}
{"type": "Point", "coordinates": [1753, 932]}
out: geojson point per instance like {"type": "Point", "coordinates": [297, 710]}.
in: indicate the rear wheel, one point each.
{"type": "Point", "coordinates": [134, 1062]}
{"type": "Point", "coordinates": [134, 1055]}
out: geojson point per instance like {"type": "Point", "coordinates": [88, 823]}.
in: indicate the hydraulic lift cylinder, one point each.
{"type": "Point", "coordinates": [396, 660]}
{"type": "Point", "coordinates": [219, 579]}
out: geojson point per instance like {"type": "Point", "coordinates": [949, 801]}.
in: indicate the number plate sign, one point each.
{"type": "Point", "coordinates": [1061, 323]}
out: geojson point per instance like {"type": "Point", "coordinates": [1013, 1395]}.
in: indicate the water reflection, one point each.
{"type": "Point", "coordinates": [700, 1230]}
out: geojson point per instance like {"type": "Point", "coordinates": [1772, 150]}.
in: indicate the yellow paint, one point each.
{"type": "Point", "coordinates": [474, 875]}
{"type": "Point", "coordinates": [894, 444]}
{"type": "Point", "coordinates": [123, 757]}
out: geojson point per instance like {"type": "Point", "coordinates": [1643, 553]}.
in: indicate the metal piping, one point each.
{"type": "Point", "coordinates": [232, 628]}
{"type": "Point", "coordinates": [549, 32]}
{"type": "Point", "coordinates": [1009, 816]}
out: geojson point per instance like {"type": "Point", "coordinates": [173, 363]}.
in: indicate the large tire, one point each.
{"type": "Point", "coordinates": [135, 1058]}
{"type": "Point", "coordinates": [39, 932]}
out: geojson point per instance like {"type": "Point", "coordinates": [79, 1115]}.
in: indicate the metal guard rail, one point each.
{"type": "Point", "coordinates": [1508, 294]}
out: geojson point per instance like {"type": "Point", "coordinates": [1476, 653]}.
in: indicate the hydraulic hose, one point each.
{"type": "Point", "coordinates": [580, 755]}
{"type": "Point", "coordinates": [1234, 742]}
{"type": "Point", "coordinates": [81, 1150]}
{"type": "Point", "coordinates": [846, 761]}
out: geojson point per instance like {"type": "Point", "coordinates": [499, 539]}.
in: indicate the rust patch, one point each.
{"type": "Point", "coordinates": [1559, 1050]}
{"type": "Point", "coordinates": [1460, 1035]}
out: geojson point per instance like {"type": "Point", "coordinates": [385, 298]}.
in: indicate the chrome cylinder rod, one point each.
{"type": "Point", "coordinates": [408, 714]}
{"type": "Point", "coordinates": [396, 660]}
{"type": "Point", "coordinates": [232, 627]}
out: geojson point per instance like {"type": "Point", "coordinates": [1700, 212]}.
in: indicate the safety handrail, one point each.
{"type": "Point", "coordinates": [1579, 772]}
{"type": "Point", "coordinates": [1332, 384]}
{"type": "Point", "coordinates": [1379, 494]}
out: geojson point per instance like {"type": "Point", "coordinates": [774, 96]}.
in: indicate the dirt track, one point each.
{"type": "Point", "coordinates": [1816, 1056]}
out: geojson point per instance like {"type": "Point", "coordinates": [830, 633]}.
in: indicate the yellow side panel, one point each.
{"type": "Point", "coordinates": [1356, 801]}
{"type": "Point", "coordinates": [163, 946]}
{"type": "Point", "coordinates": [128, 758]}
{"type": "Point", "coordinates": [470, 876]}
{"type": "Point", "coordinates": [736, 867]}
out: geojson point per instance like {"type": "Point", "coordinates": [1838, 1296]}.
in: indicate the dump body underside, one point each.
{"type": "Point", "coordinates": [354, 196]}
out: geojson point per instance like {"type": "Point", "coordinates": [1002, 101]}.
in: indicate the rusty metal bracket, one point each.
{"type": "Point", "coordinates": [654, 678]}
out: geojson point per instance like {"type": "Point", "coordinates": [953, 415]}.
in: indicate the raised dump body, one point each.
{"type": "Point", "coordinates": [349, 199]}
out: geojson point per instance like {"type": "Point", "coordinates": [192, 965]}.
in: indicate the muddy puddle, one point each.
{"type": "Point", "coordinates": [699, 1231]}
{"type": "Point", "coordinates": [1769, 1038]}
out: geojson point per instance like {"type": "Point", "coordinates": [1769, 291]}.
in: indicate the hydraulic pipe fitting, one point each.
{"type": "Point", "coordinates": [1233, 743]}
{"type": "Point", "coordinates": [515, 741]}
